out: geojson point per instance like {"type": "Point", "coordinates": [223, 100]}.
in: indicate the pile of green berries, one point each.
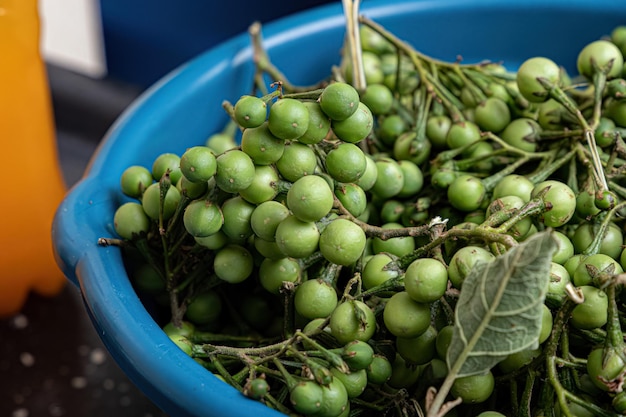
{"type": "Point", "coordinates": [312, 254]}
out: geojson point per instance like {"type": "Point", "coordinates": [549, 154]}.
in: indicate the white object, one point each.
{"type": "Point", "coordinates": [71, 35]}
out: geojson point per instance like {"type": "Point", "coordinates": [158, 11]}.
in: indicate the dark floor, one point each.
{"type": "Point", "coordinates": [52, 362]}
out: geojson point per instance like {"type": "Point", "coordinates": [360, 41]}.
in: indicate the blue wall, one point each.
{"type": "Point", "coordinates": [145, 39]}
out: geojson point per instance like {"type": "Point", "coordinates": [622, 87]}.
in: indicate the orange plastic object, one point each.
{"type": "Point", "coordinates": [33, 182]}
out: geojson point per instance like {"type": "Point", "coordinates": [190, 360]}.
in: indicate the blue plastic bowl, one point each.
{"type": "Point", "coordinates": [184, 108]}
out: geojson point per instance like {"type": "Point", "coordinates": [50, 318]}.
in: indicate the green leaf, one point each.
{"type": "Point", "coordinates": [499, 309]}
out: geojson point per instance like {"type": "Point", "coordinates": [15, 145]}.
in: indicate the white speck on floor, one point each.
{"type": "Point", "coordinates": [78, 382]}
{"type": "Point", "coordinates": [20, 321]}
{"type": "Point", "coordinates": [20, 412]}
{"type": "Point", "coordinates": [27, 359]}
{"type": "Point", "coordinates": [97, 356]}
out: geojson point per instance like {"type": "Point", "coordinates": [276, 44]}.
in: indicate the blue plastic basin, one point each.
{"type": "Point", "coordinates": [185, 107]}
